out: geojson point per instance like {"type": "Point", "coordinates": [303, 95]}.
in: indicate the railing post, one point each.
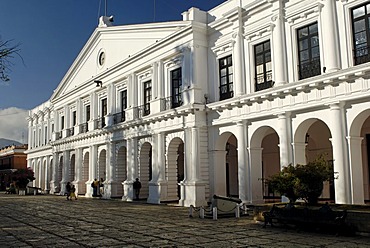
{"type": "Point", "coordinates": [201, 213]}
{"type": "Point", "coordinates": [214, 213]}
{"type": "Point", "coordinates": [191, 211]}
{"type": "Point", "coordinates": [237, 211]}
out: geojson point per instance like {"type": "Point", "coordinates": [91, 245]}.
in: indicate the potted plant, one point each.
{"type": "Point", "coordinates": [303, 181]}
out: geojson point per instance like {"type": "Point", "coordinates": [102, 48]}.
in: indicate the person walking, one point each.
{"type": "Point", "coordinates": [137, 187]}
{"type": "Point", "coordinates": [68, 190]}
{"type": "Point", "coordinates": [73, 193]}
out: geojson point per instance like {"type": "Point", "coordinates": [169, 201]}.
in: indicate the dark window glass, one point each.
{"type": "Point", "coordinates": [176, 83]}
{"type": "Point", "coordinates": [147, 96]}
{"type": "Point", "coordinates": [87, 113]}
{"type": "Point", "coordinates": [62, 122]}
{"type": "Point", "coordinates": [123, 100]}
{"type": "Point", "coordinates": [308, 51]}
{"type": "Point", "coordinates": [226, 78]}
{"type": "Point", "coordinates": [263, 66]}
{"type": "Point", "coordinates": [74, 118]}
{"type": "Point", "coordinates": [361, 33]}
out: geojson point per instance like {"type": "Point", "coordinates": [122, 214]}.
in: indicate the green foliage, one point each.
{"type": "Point", "coordinates": [303, 181]}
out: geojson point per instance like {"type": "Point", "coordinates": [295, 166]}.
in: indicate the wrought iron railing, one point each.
{"type": "Point", "coordinates": [171, 102]}
{"type": "Point", "coordinates": [70, 131]}
{"type": "Point", "coordinates": [361, 55]}
{"type": "Point", "coordinates": [309, 69]}
{"type": "Point", "coordinates": [119, 117]}
{"type": "Point", "coordinates": [141, 111]}
{"type": "Point", "coordinates": [84, 127]}
{"type": "Point", "coordinates": [100, 122]}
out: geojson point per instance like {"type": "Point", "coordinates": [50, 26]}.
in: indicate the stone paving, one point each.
{"type": "Point", "coordinates": [52, 221]}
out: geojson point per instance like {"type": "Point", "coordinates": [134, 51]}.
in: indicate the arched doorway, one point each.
{"type": "Point", "coordinates": [145, 169]}
{"type": "Point", "coordinates": [121, 169]}
{"type": "Point", "coordinates": [265, 162]}
{"type": "Point", "coordinates": [59, 175]}
{"type": "Point", "coordinates": [365, 150]}
{"type": "Point", "coordinates": [82, 185]}
{"type": "Point", "coordinates": [101, 173]}
{"type": "Point", "coordinates": [175, 171]}
{"type": "Point", "coordinates": [231, 167]}
{"type": "Point", "coordinates": [311, 140]}
{"type": "Point", "coordinates": [72, 168]}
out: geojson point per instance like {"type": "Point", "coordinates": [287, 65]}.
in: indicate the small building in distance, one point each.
{"type": "Point", "coordinates": [11, 157]}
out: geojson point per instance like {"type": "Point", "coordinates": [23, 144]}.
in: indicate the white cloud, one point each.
{"type": "Point", "coordinates": [13, 124]}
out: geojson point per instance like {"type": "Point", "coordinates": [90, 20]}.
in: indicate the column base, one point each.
{"type": "Point", "coordinates": [157, 192]}
{"type": "Point", "coordinates": [193, 193]}
{"type": "Point", "coordinates": [111, 189]}
{"type": "Point", "coordinates": [128, 190]}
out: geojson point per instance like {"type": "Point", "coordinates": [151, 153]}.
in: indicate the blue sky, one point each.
{"type": "Point", "coordinates": [52, 33]}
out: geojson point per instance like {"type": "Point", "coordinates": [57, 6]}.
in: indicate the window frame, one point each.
{"type": "Point", "coordinates": [313, 63]}
{"type": "Point", "coordinates": [267, 75]}
{"type": "Point", "coordinates": [176, 90]}
{"type": "Point", "coordinates": [229, 67]}
{"type": "Point", "coordinates": [357, 60]}
{"type": "Point", "coordinates": [147, 96]}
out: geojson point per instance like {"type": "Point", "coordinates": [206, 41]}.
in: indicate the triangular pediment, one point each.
{"type": "Point", "coordinates": [107, 47]}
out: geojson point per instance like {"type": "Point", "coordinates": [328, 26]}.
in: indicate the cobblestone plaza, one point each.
{"type": "Point", "coordinates": [52, 221]}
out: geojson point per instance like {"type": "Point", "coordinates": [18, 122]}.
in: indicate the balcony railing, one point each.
{"type": "Point", "coordinates": [84, 127]}
{"type": "Point", "coordinates": [100, 122]}
{"type": "Point", "coordinates": [264, 81]}
{"type": "Point", "coordinates": [309, 69]}
{"type": "Point", "coordinates": [170, 103]}
{"type": "Point", "coordinates": [361, 55]}
{"type": "Point", "coordinates": [119, 117]}
{"type": "Point", "coordinates": [141, 111]}
{"type": "Point", "coordinates": [70, 131]}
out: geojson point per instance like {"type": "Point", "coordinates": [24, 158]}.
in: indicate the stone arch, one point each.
{"type": "Point", "coordinates": [145, 168]}
{"type": "Point", "coordinates": [311, 139]}
{"type": "Point", "coordinates": [175, 168]}
{"type": "Point", "coordinates": [121, 168]}
{"type": "Point", "coordinates": [83, 184]}
{"type": "Point", "coordinates": [359, 157]}
{"type": "Point", "coordinates": [102, 167]}
{"type": "Point", "coordinates": [265, 161]}
{"type": "Point", "coordinates": [72, 168]}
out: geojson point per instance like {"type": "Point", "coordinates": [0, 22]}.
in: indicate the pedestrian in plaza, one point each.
{"type": "Point", "coordinates": [68, 190]}
{"type": "Point", "coordinates": [95, 185]}
{"type": "Point", "coordinates": [101, 187]}
{"type": "Point", "coordinates": [73, 193]}
{"type": "Point", "coordinates": [137, 187]}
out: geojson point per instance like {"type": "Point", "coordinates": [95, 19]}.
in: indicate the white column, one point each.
{"type": "Point", "coordinates": [279, 47]}
{"type": "Point", "coordinates": [330, 38]}
{"type": "Point", "coordinates": [243, 165]}
{"type": "Point", "coordinates": [255, 154]}
{"type": "Point", "coordinates": [284, 131]}
{"type": "Point", "coordinates": [239, 73]}
{"type": "Point", "coordinates": [160, 79]}
{"type": "Point", "coordinates": [110, 187]}
{"type": "Point", "coordinates": [342, 186]}
{"type": "Point", "coordinates": [78, 166]}
{"type": "Point", "coordinates": [93, 160]}
{"type": "Point", "coordinates": [54, 175]}
{"type": "Point", "coordinates": [29, 119]}
{"type": "Point", "coordinates": [195, 154]}
{"type": "Point", "coordinates": [299, 153]}
{"type": "Point", "coordinates": [46, 187]}
{"type": "Point", "coordinates": [356, 170]}
{"type": "Point", "coordinates": [131, 171]}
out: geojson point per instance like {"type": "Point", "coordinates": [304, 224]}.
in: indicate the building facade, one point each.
{"type": "Point", "coordinates": [12, 157]}
{"type": "Point", "coordinates": [213, 104]}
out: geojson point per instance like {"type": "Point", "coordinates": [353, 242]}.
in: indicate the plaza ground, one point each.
{"type": "Point", "coordinates": [52, 221]}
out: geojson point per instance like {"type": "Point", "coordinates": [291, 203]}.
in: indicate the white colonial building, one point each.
{"type": "Point", "coordinates": [213, 104]}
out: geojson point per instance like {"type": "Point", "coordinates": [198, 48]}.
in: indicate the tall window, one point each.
{"type": "Point", "coordinates": [147, 97]}
{"type": "Point", "coordinates": [62, 122]}
{"type": "Point", "coordinates": [74, 118]}
{"type": "Point", "coordinates": [123, 100]}
{"type": "Point", "coordinates": [176, 83]}
{"type": "Point", "coordinates": [263, 69]}
{"type": "Point", "coordinates": [226, 78]}
{"type": "Point", "coordinates": [308, 51]}
{"type": "Point", "coordinates": [87, 111]}
{"type": "Point", "coordinates": [361, 33]}
{"type": "Point", "coordinates": [103, 111]}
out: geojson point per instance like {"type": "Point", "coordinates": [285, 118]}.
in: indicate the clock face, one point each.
{"type": "Point", "coordinates": [101, 58]}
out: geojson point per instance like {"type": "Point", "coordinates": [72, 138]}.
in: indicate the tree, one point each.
{"type": "Point", "coordinates": [303, 181]}
{"type": "Point", "coordinates": [7, 52]}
